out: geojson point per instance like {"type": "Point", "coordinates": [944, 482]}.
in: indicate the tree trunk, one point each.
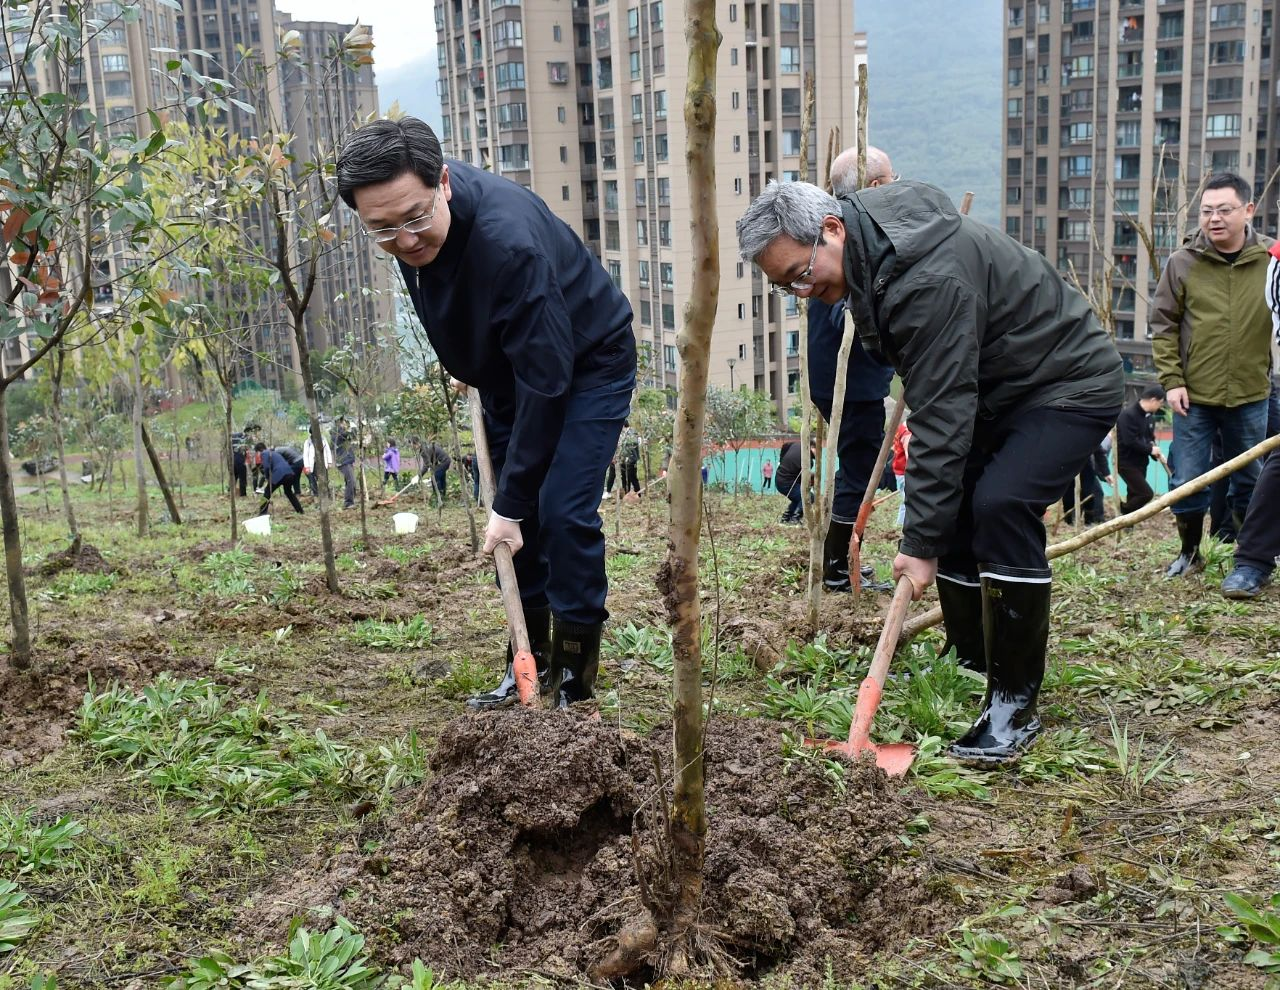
{"type": "Point", "coordinates": [139, 467]}
{"type": "Point", "coordinates": [161, 480]}
{"type": "Point", "coordinates": [317, 440]}
{"type": "Point", "coordinates": [20, 655]}
{"type": "Point", "coordinates": [230, 462]}
{"type": "Point", "coordinates": [688, 813]}
{"type": "Point", "coordinates": [56, 411]}
{"type": "Point", "coordinates": [361, 488]}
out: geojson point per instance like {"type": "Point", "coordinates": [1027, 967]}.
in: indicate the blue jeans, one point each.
{"type": "Point", "coordinates": [562, 561]}
{"type": "Point", "coordinates": [1242, 427]}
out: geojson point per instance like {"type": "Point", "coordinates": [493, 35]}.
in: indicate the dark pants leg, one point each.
{"type": "Point", "coordinates": [348, 484]}
{"type": "Point", "coordinates": [861, 432]}
{"type": "Point", "coordinates": [242, 480]}
{"type": "Point", "coordinates": [290, 488]}
{"type": "Point", "coordinates": [1017, 468]}
{"type": "Point", "coordinates": [1139, 492]}
{"type": "Point", "coordinates": [1273, 408]}
{"type": "Point", "coordinates": [313, 485]}
{"type": "Point", "coordinates": [610, 477]}
{"type": "Point", "coordinates": [1258, 544]}
{"type": "Point", "coordinates": [630, 479]}
{"type": "Point", "coordinates": [442, 478]}
{"type": "Point", "coordinates": [562, 561]}
{"type": "Point", "coordinates": [1241, 427]}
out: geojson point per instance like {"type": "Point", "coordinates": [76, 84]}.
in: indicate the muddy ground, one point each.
{"type": "Point", "coordinates": [533, 839]}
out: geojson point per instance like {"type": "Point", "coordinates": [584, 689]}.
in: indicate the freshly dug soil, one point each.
{"type": "Point", "coordinates": [83, 558]}
{"type": "Point", "coordinates": [518, 856]}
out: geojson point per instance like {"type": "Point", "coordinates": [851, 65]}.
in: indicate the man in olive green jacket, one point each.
{"type": "Point", "coordinates": [1211, 343]}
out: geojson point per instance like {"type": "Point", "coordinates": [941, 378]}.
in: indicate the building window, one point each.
{"type": "Point", "coordinates": [646, 313]}
{"type": "Point", "coordinates": [669, 353]}
{"type": "Point", "coordinates": [637, 108]}
{"type": "Point", "coordinates": [564, 193]}
{"type": "Point", "coordinates": [1075, 167]}
{"type": "Point", "coordinates": [604, 73]}
{"type": "Point", "coordinates": [669, 318]}
{"type": "Point", "coordinates": [640, 189]}
{"type": "Point", "coordinates": [668, 272]}
{"type": "Point", "coordinates": [655, 16]}
{"type": "Point", "coordinates": [664, 192]}
{"type": "Point", "coordinates": [788, 59]}
{"type": "Point", "coordinates": [513, 157]}
{"type": "Point", "coordinates": [660, 150]}
{"type": "Point", "coordinates": [659, 104]}
{"type": "Point", "coordinates": [555, 33]}
{"type": "Point", "coordinates": [611, 196]}
{"type": "Point", "coordinates": [664, 233]}
{"type": "Point", "coordinates": [507, 34]}
{"type": "Point", "coordinates": [791, 142]}
{"type": "Point", "coordinates": [644, 274]}
{"type": "Point", "coordinates": [1226, 52]}
{"type": "Point", "coordinates": [1221, 125]}
{"type": "Point", "coordinates": [1226, 15]}
{"type": "Point", "coordinates": [1015, 77]}
{"type": "Point", "coordinates": [558, 73]}
{"type": "Point", "coordinates": [510, 75]}
{"type": "Point", "coordinates": [115, 63]}
{"type": "Point", "coordinates": [633, 22]}
{"type": "Point", "coordinates": [642, 232]}
{"type": "Point", "coordinates": [634, 64]}
{"type": "Point", "coordinates": [1015, 107]}
{"type": "Point", "coordinates": [615, 273]}
{"type": "Point", "coordinates": [612, 236]}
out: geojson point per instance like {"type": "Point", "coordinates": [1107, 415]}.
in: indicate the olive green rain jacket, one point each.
{"type": "Point", "coordinates": [1210, 328]}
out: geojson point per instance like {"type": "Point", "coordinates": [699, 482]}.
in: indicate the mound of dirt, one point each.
{"type": "Point", "coordinates": [83, 558]}
{"type": "Point", "coordinates": [518, 855]}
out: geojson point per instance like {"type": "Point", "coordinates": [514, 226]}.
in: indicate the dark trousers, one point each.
{"type": "Point", "coordinates": [1258, 544]}
{"type": "Point", "coordinates": [1139, 493]}
{"type": "Point", "coordinates": [562, 561]}
{"type": "Point", "coordinates": [242, 479]}
{"type": "Point", "coordinates": [861, 433]}
{"type": "Point", "coordinates": [313, 484]}
{"type": "Point", "coordinates": [348, 484]}
{"type": "Point", "coordinates": [291, 486]}
{"type": "Point", "coordinates": [630, 478]}
{"type": "Point", "coordinates": [610, 476]}
{"type": "Point", "coordinates": [1090, 497]}
{"type": "Point", "coordinates": [441, 476]}
{"type": "Point", "coordinates": [792, 489]}
{"type": "Point", "coordinates": [394, 476]}
{"type": "Point", "coordinates": [1018, 466]}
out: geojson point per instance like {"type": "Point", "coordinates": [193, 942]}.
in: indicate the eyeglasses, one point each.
{"type": "Point", "coordinates": [1218, 211]}
{"type": "Point", "coordinates": [802, 281]}
{"type": "Point", "coordinates": [418, 225]}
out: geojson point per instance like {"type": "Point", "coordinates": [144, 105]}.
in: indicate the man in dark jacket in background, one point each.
{"type": "Point", "coordinates": [516, 306]}
{"type": "Point", "coordinates": [866, 385]}
{"type": "Point", "coordinates": [789, 482]}
{"type": "Point", "coordinates": [282, 469]}
{"type": "Point", "coordinates": [435, 462]}
{"type": "Point", "coordinates": [1011, 382]}
{"type": "Point", "coordinates": [344, 453]}
{"type": "Point", "coordinates": [1136, 446]}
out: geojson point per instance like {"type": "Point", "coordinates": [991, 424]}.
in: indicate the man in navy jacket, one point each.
{"type": "Point", "coordinates": [516, 306]}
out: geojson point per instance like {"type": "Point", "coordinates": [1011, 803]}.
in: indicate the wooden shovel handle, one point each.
{"type": "Point", "coordinates": [892, 630]}
{"type": "Point", "coordinates": [501, 553]}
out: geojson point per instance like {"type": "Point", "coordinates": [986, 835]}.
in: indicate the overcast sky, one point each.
{"type": "Point", "coordinates": [402, 29]}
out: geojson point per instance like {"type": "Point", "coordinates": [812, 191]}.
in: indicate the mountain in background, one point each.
{"type": "Point", "coordinates": [935, 70]}
{"type": "Point", "coordinates": [413, 86]}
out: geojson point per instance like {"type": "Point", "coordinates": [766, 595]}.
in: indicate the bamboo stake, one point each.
{"type": "Point", "coordinates": [931, 618]}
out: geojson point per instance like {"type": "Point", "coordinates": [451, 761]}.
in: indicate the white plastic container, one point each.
{"type": "Point", "coordinates": [258, 525]}
{"type": "Point", "coordinates": [406, 522]}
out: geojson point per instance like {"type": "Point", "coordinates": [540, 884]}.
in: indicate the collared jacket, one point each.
{"type": "Point", "coordinates": [1210, 329]}
{"type": "Point", "coordinates": [278, 467]}
{"type": "Point", "coordinates": [515, 305]}
{"type": "Point", "coordinates": [978, 326]}
{"type": "Point", "coordinates": [342, 443]}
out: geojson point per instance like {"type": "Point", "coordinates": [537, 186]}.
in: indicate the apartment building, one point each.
{"type": "Point", "coordinates": [119, 77]}
{"type": "Point", "coordinates": [1116, 111]}
{"type": "Point", "coordinates": [354, 294]}
{"type": "Point", "coordinates": [582, 102]}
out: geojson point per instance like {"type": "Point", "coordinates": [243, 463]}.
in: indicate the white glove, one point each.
{"type": "Point", "coordinates": [502, 530]}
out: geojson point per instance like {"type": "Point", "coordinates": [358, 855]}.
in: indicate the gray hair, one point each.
{"type": "Point", "coordinates": [796, 209]}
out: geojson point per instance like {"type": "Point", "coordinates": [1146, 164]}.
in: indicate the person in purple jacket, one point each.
{"type": "Point", "coordinates": [516, 306]}
{"type": "Point", "coordinates": [391, 465]}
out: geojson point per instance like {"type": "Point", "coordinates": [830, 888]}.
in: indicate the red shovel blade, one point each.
{"type": "Point", "coordinates": [893, 758]}
{"type": "Point", "coordinates": [526, 672]}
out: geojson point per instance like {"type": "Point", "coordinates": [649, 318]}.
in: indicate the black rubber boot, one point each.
{"type": "Point", "coordinates": [835, 557]}
{"type": "Point", "coordinates": [538, 622]}
{"type": "Point", "coordinates": [1190, 530]}
{"type": "Point", "coordinates": [1015, 626]}
{"type": "Point", "coordinates": [575, 661]}
{"type": "Point", "coordinates": [962, 618]}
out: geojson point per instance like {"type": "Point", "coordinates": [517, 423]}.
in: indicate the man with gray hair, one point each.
{"type": "Point", "coordinates": [1012, 384]}
{"type": "Point", "coordinates": [866, 384]}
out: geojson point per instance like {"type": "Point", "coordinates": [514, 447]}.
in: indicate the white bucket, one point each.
{"type": "Point", "coordinates": [258, 525]}
{"type": "Point", "coordinates": [406, 522]}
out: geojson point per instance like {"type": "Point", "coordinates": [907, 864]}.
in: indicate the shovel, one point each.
{"type": "Point", "coordinates": [522, 664]}
{"type": "Point", "coordinates": [893, 758]}
{"type": "Point", "coordinates": [387, 501]}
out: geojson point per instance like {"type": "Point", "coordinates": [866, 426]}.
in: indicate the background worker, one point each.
{"type": "Point", "coordinates": [282, 470]}
{"type": "Point", "coordinates": [516, 306]}
{"type": "Point", "coordinates": [866, 385]}
{"type": "Point", "coordinates": [1012, 384]}
{"type": "Point", "coordinates": [344, 448]}
{"type": "Point", "coordinates": [1136, 446]}
{"type": "Point", "coordinates": [1211, 342]}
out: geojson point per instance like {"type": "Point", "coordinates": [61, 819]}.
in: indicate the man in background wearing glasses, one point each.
{"type": "Point", "coordinates": [516, 306]}
{"type": "Point", "coordinates": [1211, 343]}
{"type": "Point", "coordinates": [1012, 384]}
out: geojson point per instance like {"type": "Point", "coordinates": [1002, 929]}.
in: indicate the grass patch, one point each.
{"type": "Point", "coordinates": [402, 634]}
{"type": "Point", "coordinates": [196, 740]}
